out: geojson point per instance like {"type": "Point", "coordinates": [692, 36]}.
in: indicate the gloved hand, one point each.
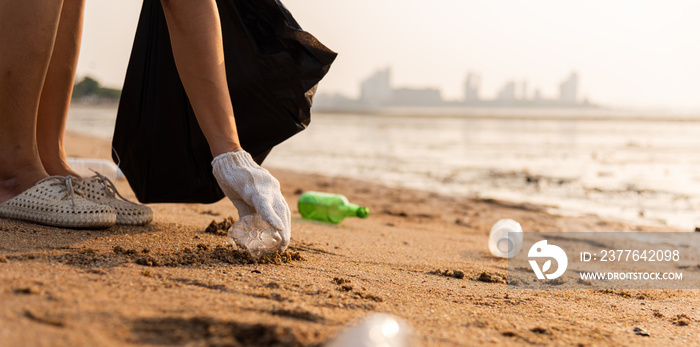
{"type": "Point", "coordinates": [253, 189]}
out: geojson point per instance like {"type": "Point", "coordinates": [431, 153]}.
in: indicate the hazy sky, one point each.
{"type": "Point", "coordinates": [627, 52]}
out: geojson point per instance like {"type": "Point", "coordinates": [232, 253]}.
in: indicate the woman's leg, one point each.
{"type": "Point", "coordinates": [195, 33]}
{"type": "Point", "coordinates": [58, 87]}
{"type": "Point", "coordinates": [27, 33]}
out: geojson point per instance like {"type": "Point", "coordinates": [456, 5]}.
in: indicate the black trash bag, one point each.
{"type": "Point", "coordinates": [272, 67]}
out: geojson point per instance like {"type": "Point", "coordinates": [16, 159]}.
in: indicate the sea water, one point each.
{"type": "Point", "coordinates": [621, 165]}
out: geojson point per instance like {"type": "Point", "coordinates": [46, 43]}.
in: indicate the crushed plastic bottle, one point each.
{"type": "Point", "coordinates": [254, 235]}
{"type": "Point", "coordinates": [377, 330]}
{"type": "Point", "coordinates": [506, 238]}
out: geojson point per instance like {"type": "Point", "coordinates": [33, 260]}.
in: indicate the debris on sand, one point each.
{"type": "Point", "coordinates": [640, 331]}
{"type": "Point", "coordinates": [458, 274]}
{"type": "Point", "coordinates": [681, 320]}
{"type": "Point", "coordinates": [491, 278]}
{"type": "Point", "coordinates": [220, 228]}
{"type": "Point", "coordinates": [340, 280]}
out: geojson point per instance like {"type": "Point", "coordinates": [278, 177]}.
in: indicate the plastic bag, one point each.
{"type": "Point", "coordinates": [272, 67]}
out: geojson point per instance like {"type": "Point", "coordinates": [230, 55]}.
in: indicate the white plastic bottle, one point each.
{"type": "Point", "coordinates": [377, 330]}
{"type": "Point", "coordinates": [87, 166]}
{"type": "Point", "coordinates": [254, 235]}
{"type": "Point", "coordinates": [506, 238]}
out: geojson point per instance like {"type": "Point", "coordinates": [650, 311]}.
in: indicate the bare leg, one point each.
{"type": "Point", "coordinates": [27, 33]}
{"type": "Point", "coordinates": [58, 87]}
{"type": "Point", "coordinates": [195, 33]}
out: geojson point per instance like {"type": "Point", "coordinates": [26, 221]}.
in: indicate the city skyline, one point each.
{"type": "Point", "coordinates": [378, 90]}
{"type": "Point", "coordinates": [637, 54]}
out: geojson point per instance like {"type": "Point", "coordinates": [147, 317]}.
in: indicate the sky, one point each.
{"type": "Point", "coordinates": [627, 53]}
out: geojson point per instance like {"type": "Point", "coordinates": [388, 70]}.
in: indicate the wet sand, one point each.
{"type": "Point", "coordinates": [420, 256]}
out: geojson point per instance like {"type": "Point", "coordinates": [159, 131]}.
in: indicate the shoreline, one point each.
{"type": "Point", "coordinates": [172, 283]}
{"type": "Point", "coordinates": [616, 170]}
{"type": "Point", "coordinates": [499, 113]}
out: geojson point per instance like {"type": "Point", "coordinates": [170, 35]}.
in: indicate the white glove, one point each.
{"type": "Point", "coordinates": [253, 189]}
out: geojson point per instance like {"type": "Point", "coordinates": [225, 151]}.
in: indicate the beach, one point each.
{"type": "Point", "coordinates": [421, 256]}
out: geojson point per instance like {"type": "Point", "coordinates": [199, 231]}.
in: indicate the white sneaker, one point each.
{"type": "Point", "coordinates": [99, 189]}
{"type": "Point", "coordinates": [54, 201]}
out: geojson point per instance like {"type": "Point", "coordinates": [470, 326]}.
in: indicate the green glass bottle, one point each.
{"type": "Point", "coordinates": [332, 208]}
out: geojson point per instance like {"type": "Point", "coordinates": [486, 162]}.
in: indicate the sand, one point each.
{"type": "Point", "coordinates": [420, 256]}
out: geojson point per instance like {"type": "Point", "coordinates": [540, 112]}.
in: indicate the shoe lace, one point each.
{"type": "Point", "coordinates": [108, 186]}
{"type": "Point", "coordinates": [66, 183]}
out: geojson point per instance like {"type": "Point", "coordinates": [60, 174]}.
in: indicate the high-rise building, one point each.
{"type": "Point", "coordinates": [376, 89]}
{"type": "Point", "coordinates": [471, 87]}
{"type": "Point", "coordinates": [507, 94]}
{"type": "Point", "coordinates": [568, 90]}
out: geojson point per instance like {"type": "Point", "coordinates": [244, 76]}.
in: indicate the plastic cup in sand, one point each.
{"type": "Point", "coordinates": [377, 330]}
{"type": "Point", "coordinates": [254, 235]}
{"type": "Point", "coordinates": [506, 239]}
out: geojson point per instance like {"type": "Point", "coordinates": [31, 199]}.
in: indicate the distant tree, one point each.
{"type": "Point", "coordinates": [87, 87]}
{"type": "Point", "coordinates": [89, 90]}
{"type": "Point", "coordinates": [108, 93]}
